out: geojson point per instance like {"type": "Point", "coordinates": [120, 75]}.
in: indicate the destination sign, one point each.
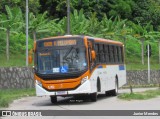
{"type": "Point", "coordinates": [65, 42]}
{"type": "Point", "coordinates": [48, 44]}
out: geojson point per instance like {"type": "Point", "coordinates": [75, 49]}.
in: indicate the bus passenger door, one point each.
{"type": "Point", "coordinates": [91, 61]}
{"type": "Point", "coordinates": [93, 77]}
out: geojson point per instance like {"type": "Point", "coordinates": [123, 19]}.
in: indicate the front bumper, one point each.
{"type": "Point", "coordinates": [84, 88]}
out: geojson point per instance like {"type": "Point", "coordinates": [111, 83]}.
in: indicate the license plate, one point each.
{"type": "Point", "coordinates": [61, 92]}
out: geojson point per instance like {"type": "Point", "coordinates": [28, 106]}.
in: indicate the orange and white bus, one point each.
{"type": "Point", "coordinates": [78, 65]}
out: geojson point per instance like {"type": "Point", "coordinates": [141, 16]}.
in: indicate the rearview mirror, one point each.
{"type": "Point", "coordinates": [93, 54]}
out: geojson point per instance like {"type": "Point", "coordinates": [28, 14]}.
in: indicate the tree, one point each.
{"type": "Point", "coordinates": [142, 33]}
{"type": "Point", "coordinates": [38, 24]}
{"type": "Point", "coordinates": [144, 11]}
{"type": "Point", "coordinates": [9, 22]}
{"type": "Point", "coordinates": [121, 8]}
{"type": "Point", "coordinates": [79, 23]}
{"type": "Point", "coordinates": [55, 8]}
{"type": "Point", "coordinates": [92, 6]}
{"type": "Point", "coordinates": [33, 5]}
{"type": "Point", "coordinates": [112, 28]}
{"type": "Point", "coordinates": [156, 36]}
{"type": "Point", "coordinates": [94, 25]}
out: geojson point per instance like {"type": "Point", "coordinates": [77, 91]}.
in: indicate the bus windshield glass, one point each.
{"type": "Point", "coordinates": [61, 59]}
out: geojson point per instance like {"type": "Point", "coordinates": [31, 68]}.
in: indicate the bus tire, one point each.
{"type": "Point", "coordinates": [98, 85]}
{"type": "Point", "coordinates": [53, 99]}
{"type": "Point", "coordinates": [115, 91]}
{"type": "Point", "coordinates": [108, 93]}
{"type": "Point", "coordinates": [93, 97]}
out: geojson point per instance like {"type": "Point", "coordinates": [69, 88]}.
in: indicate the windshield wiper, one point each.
{"type": "Point", "coordinates": [67, 53]}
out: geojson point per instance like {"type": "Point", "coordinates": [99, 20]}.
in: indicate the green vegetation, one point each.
{"type": "Point", "coordinates": [141, 67]}
{"type": "Point", "coordinates": [134, 63]}
{"type": "Point", "coordinates": [15, 60]}
{"type": "Point", "coordinates": [136, 25]}
{"type": "Point", "coordinates": [140, 95]}
{"type": "Point", "coordinates": [8, 95]}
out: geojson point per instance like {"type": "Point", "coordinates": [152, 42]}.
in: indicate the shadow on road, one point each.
{"type": "Point", "coordinates": [72, 101]}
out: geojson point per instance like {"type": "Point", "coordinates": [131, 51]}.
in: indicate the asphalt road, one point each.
{"type": "Point", "coordinates": [103, 103]}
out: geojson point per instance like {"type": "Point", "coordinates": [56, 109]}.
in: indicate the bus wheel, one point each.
{"type": "Point", "coordinates": [108, 93]}
{"type": "Point", "coordinates": [53, 99]}
{"type": "Point", "coordinates": [98, 85]}
{"type": "Point", "coordinates": [93, 97]}
{"type": "Point", "coordinates": [115, 91]}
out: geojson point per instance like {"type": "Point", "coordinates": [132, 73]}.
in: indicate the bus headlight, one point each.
{"type": "Point", "coordinates": [39, 83]}
{"type": "Point", "coordinates": [84, 79]}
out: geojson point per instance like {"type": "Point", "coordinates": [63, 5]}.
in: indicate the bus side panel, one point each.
{"type": "Point", "coordinates": [107, 75]}
{"type": "Point", "coordinates": [113, 72]}
{"type": "Point", "coordinates": [93, 80]}
{"type": "Point", "coordinates": [122, 75]}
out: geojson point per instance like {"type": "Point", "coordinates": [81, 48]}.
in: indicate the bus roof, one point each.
{"type": "Point", "coordinates": [107, 41]}
{"type": "Point", "coordinates": [94, 38]}
{"type": "Point", "coordinates": [65, 36]}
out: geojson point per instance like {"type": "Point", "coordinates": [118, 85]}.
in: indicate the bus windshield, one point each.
{"type": "Point", "coordinates": [61, 60]}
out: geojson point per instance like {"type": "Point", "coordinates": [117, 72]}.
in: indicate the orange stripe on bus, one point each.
{"type": "Point", "coordinates": [62, 86]}
{"type": "Point", "coordinates": [64, 83]}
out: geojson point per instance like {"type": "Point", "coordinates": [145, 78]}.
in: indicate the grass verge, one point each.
{"type": "Point", "coordinates": [8, 95]}
{"type": "Point", "coordinates": [139, 66]}
{"type": "Point", "coordinates": [140, 95]}
{"type": "Point", "coordinates": [17, 60]}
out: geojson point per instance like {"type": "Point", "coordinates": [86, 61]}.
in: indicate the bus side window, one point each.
{"type": "Point", "coordinates": [101, 53]}
{"type": "Point", "coordinates": [106, 53]}
{"type": "Point", "coordinates": [99, 59]}
{"type": "Point", "coordinates": [96, 50]}
{"type": "Point", "coordinates": [115, 54]}
{"type": "Point", "coordinates": [120, 54]}
{"type": "Point", "coordinates": [111, 54]}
